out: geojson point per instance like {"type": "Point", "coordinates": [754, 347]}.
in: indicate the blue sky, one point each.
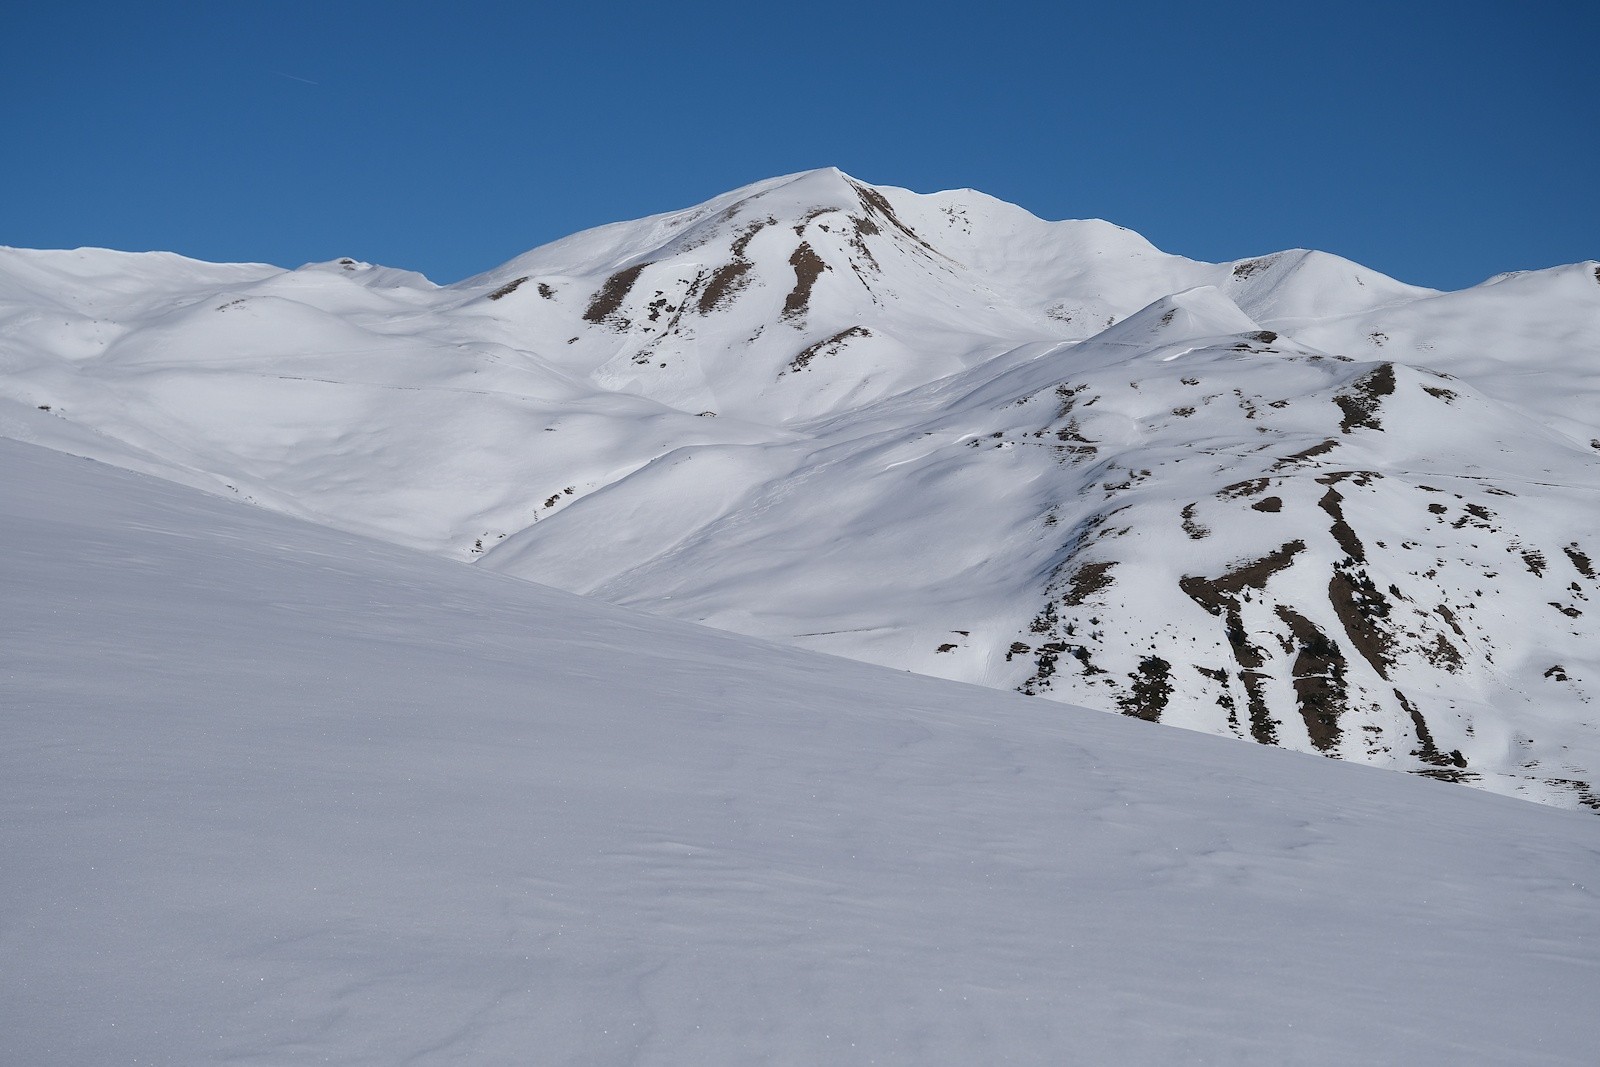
{"type": "Point", "coordinates": [1440, 143]}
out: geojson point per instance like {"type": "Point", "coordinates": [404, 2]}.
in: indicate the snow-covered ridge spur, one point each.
{"type": "Point", "coordinates": [1286, 499]}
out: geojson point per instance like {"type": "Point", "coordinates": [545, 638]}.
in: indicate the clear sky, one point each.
{"type": "Point", "coordinates": [1437, 142]}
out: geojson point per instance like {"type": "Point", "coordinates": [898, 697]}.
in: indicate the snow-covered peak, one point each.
{"type": "Point", "coordinates": [1196, 314]}
{"type": "Point", "coordinates": [1300, 285]}
{"type": "Point", "coordinates": [1285, 499]}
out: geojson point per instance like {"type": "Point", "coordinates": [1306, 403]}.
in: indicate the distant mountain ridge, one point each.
{"type": "Point", "coordinates": [1286, 499]}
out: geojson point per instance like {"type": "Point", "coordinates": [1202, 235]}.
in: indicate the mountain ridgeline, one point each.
{"type": "Point", "coordinates": [1285, 499]}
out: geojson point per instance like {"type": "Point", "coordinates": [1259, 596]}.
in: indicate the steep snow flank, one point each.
{"type": "Point", "coordinates": [273, 793]}
{"type": "Point", "coordinates": [1284, 499]}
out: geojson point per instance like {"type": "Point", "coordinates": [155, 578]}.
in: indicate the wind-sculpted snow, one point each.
{"type": "Point", "coordinates": [269, 793]}
{"type": "Point", "coordinates": [1285, 499]}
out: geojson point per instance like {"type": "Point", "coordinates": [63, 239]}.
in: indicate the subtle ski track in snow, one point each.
{"type": "Point", "coordinates": [272, 793]}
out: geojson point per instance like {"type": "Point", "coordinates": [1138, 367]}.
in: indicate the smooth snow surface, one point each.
{"type": "Point", "coordinates": [1287, 499]}
{"type": "Point", "coordinates": [271, 794]}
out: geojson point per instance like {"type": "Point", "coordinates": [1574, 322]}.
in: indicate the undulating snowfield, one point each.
{"type": "Point", "coordinates": [1286, 499]}
{"type": "Point", "coordinates": [271, 793]}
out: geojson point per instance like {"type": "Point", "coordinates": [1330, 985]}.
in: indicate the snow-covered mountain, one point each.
{"type": "Point", "coordinates": [274, 793]}
{"type": "Point", "coordinates": [1286, 499]}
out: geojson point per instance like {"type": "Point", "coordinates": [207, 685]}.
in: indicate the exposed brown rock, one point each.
{"type": "Point", "coordinates": [808, 267]}
{"type": "Point", "coordinates": [508, 288]}
{"type": "Point", "coordinates": [827, 346]}
{"type": "Point", "coordinates": [725, 283]}
{"type": "Point", "coordinates": [1342, 533]}
{"type": "Point", "coordinates": [1152, 689]}
{"type": "Point", "coordinates": [1314, 451]}
{"type": "Point", "coordinates": [1361, 405]}
{"type": "Point", "coordinates": [1359, 605]}
{"type": "Point", "coordinates": [613, 293]}
{"type": "Point", "coordinates": [1085, 582]}
{"type": "Point", "coordinates": [1319, 681]}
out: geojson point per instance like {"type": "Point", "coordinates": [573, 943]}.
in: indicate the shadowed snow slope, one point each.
{"type": "Point", "coordinates": [270, 792]}
{"type": "Point", "coordinates": [1286, 499]}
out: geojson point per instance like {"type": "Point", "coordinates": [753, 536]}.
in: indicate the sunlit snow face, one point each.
{"type": "Point", "coordinates": [1286, 499]}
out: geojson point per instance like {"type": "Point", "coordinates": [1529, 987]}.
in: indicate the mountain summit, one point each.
{"type": "Point", "coordinates": [1285, 499]}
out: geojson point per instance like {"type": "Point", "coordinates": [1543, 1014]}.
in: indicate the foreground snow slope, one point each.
{"type": "Point", "coordinates": [271, 793]}
{"type": "Point", "coordinates": [1285, 499]}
